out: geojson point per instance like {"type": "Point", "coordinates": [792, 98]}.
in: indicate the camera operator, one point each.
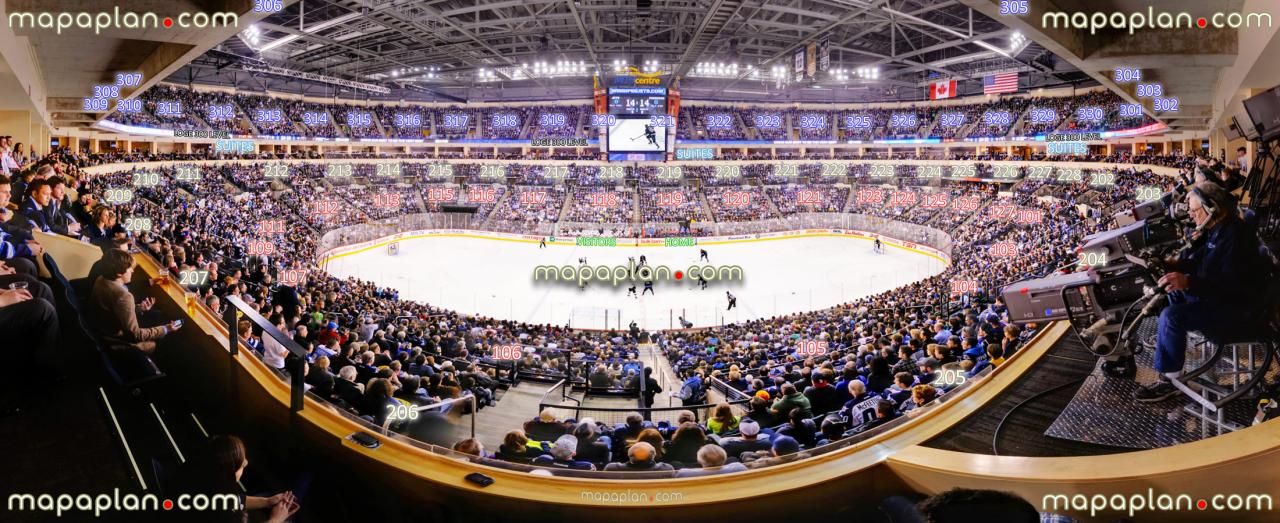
{"type": "Point", "coordinates": [1214, 287]}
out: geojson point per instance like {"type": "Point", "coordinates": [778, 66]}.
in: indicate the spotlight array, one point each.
{"type": "Point", "coordinates": [415, 73]}
{"type": "Point", "coordinates": [560, 68]}
{"type": "Point", "coordinates": [1017, 42]}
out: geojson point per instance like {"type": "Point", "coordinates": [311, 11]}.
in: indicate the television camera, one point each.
{"type": "Point", "coordinates": [1119, 270]}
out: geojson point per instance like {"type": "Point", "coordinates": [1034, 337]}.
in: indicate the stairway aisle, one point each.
{"type": "Point", "coordinates": [662, 371]}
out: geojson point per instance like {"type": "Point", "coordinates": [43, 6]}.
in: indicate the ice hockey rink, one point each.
{"type": "Point", "coordinates": [495, 278]}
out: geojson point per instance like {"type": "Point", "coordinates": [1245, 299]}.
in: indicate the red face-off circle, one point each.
{"type": "Point", "coordinates": [168, 22]}
{"type": "Point", "coordinates": [1202, 22]}
{"type": "Point", "coordinates": [679, 275]}
{"type": "Point", "coordinates": [168, 504]}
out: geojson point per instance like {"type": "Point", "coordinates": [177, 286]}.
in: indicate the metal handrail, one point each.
{"type": "Point", "coordinates": [563, 395]}
{"type": "Point", "coordinates": [727, 389]}
{"type": "Point", "coordinates": [386, 424]}
{"type": "Point", "coordinates": [240, 310]}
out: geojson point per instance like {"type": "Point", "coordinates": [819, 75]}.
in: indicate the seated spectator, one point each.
{"type": "Point", "coordinates": [562, 453]}
{"type": "Point", "coordinates": [654, 439]}
{"type": "Point", "coordinates": [901, 389]}
{"type": "Point", "coordinates": [641, 457]}
{"type": "Point", "coordinates": [994, 357]}
{"type": "Point", "coordinates": [470, 446]}
{"type": "Point", "coordinates": [880, 377]}
{"type": "Point", "coordinates": [847, 376]}
{"type": "Point", "coordinates": [832, 430]}
{"type": "Point", "coordinates": [920, 395]}
{"type": "Point", "coordinates": [319, 377]}
{"type": "Point", "coordinates": [346, 389]}
{"type": "Point", "coordinates": [1011, 342]}
{"type": "Point", "coordinates": [517, 448]}
{"type": "Point", "coordinates": [630, 430]}
{"type": "Point", "coordinates": [886, 411]}
{"type": "Point", "coordinates": [791, 399]}
{"type": "Point", "coordinates": [112, 310]}
{"type": "Point", "coordinates": [783, 450]}
{"type": "Point", "coordinates": [217, 468]}
{"type": "Point", "coordinates": [760, 412]}
{"type": "Point", "coordinates": [800, 428]}
{"type": "Point", "coordinates": [723, 420]}
{"type": "Point", "coordinates": [28, 322]}
{"type": "Point", "coordinates": [748, 440]}
{"type": "Point", "coordinates": [861, 407]}
{"type": "Point", "coordinates": [546, 427]}
{"type": "Point", "coordinates": [33, 213]}
{"type": "Point", "coordinates": [377, 403]}
{"type": "Point", "coordinates": [905, 363]}
{"type": "Point", "coordinates": [682, 450]}
{"type": "Point", "coordinates": [592, 446]}
{"type": "Point", "coordinates": [929, 370]}
{"type": "Point", "coordinates": [712, 460]}
{"type": "Point", "coordinates": [822, 396]}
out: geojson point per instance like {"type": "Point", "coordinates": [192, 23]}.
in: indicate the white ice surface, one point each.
{"type": "Point", "coordinates": [495, 278]}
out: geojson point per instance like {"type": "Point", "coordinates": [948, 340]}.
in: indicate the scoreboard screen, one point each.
{"type": "Point", "coordinates": [638, 100]}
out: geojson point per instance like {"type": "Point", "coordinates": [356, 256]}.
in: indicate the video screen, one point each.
{"type": "Point", "coordinates": [637, 135]}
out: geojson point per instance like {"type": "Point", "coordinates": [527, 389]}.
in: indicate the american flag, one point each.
{"type": "Point", "coordinates": [1000, 83]}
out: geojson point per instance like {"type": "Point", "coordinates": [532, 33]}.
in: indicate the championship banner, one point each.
{"type": "Point", "coordinates": [799, 65]}
{"type": "Point", "coordinates": [824, 53]}
{"type": "Point", "coordinates": [811, 55]}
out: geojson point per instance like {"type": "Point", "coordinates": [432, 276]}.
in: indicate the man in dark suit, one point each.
{"type": "Point", "coordinates": [345, 389]}
{"type": "Point", "coordinates": [365, 370]}
{"type": "Point", "coordinates": [113, 313]}
{"type": "Point", "coordinates": [58, 211]}
{"type": "Point", "coordinates": [319, 377]}
{"type": "Point", "coordinates": [33, 209]}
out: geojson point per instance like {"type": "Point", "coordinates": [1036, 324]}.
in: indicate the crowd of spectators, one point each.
{"type": "Point", "coordinates": [590, 205]}
{"type": "Point", "coordinates": [670, 204]}
{"type": "Point", "coordinates": [792, 199]}
{"type": "Point", "coordinates": [738, 204]}
{"type": "Point", "coordinates": [697, 122]}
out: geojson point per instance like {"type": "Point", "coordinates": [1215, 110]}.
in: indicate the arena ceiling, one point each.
{"type": "Point", "coordinates": [479, 50]}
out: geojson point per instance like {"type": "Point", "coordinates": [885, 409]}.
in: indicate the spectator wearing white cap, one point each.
{"type": "Point", "coordinates": [749, 440]}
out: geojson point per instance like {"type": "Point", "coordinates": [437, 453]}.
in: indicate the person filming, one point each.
{"type": "Point", "coordinates": [1213, 287]}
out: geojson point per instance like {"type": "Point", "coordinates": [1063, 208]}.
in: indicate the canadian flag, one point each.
{"type": "Point", "coordinates": [943, 89]}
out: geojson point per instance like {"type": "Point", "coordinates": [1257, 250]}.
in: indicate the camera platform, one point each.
{"type": "Point", "coordinates": [1104, 412]}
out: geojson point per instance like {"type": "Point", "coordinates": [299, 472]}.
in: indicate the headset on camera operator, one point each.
{"type": "Point", "coordinates": [1214, 287]}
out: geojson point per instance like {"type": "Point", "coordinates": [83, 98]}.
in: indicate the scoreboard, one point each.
{"type": "Point", "coordinates": [638, 120]}
{"type": "Point", "coordinates": [646, 101]}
